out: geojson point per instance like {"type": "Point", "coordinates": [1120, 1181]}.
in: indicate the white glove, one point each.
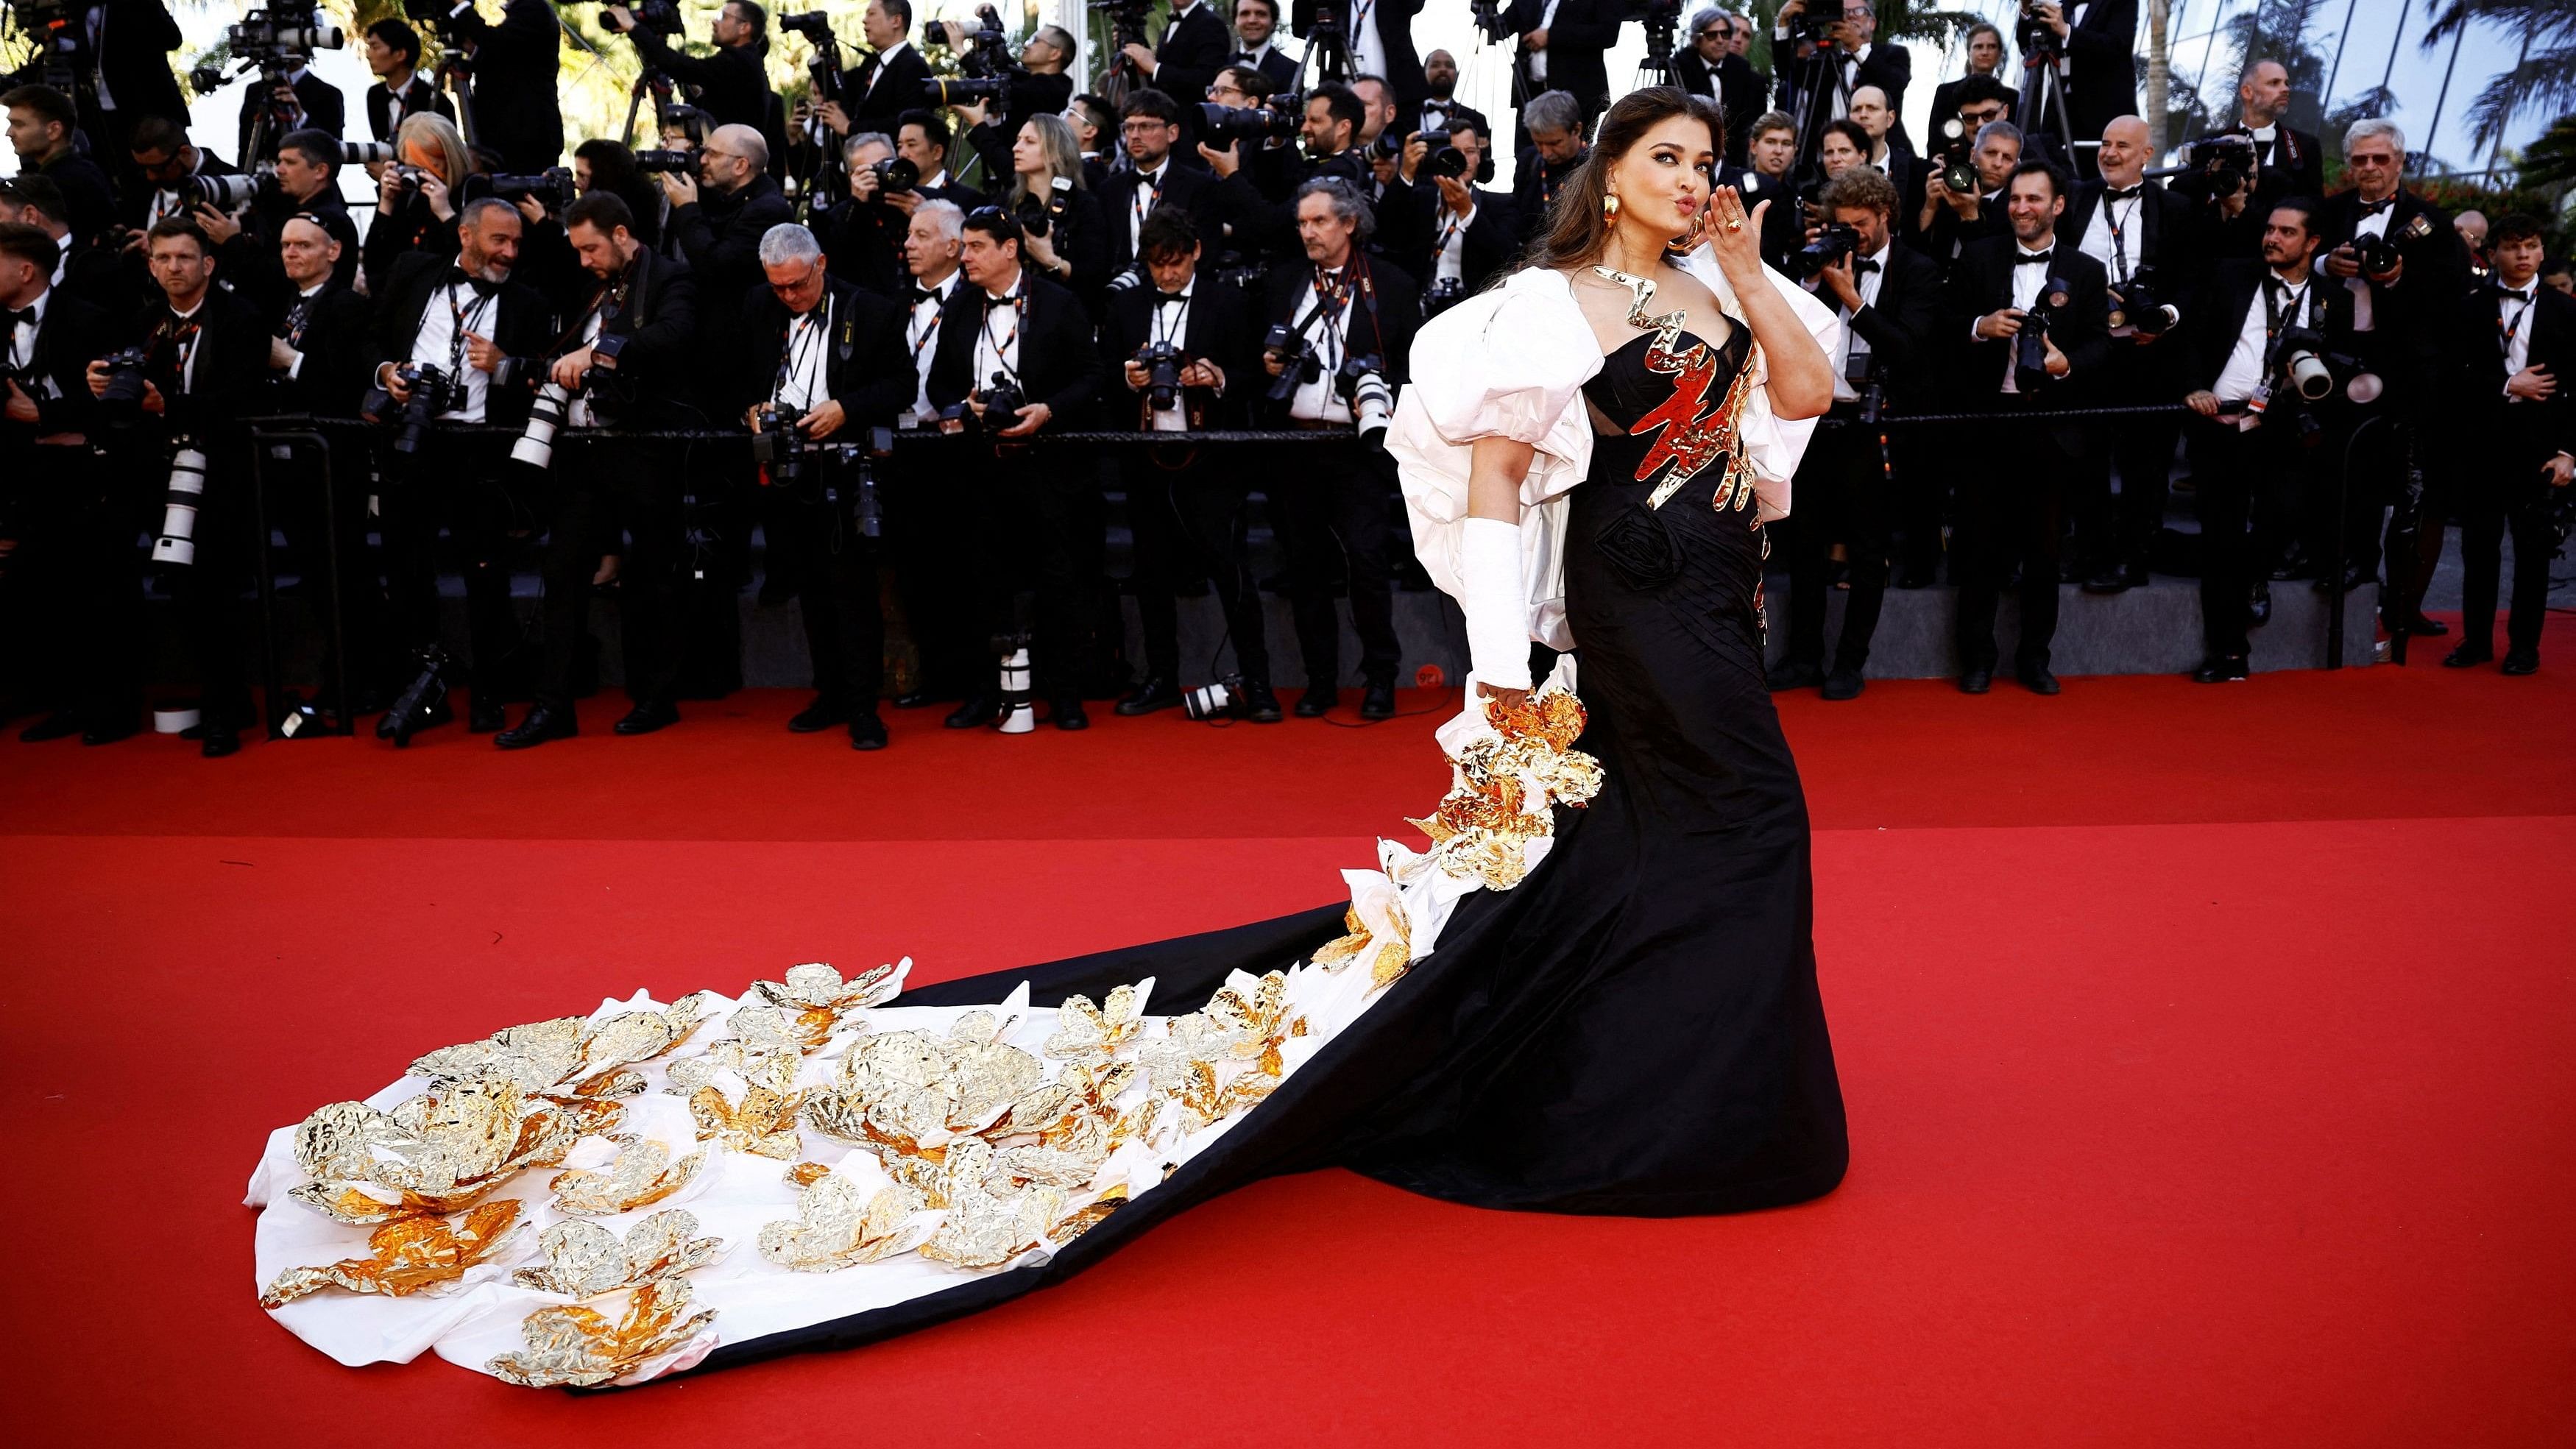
{"type": "Point", "coordinates": [1496, 604]}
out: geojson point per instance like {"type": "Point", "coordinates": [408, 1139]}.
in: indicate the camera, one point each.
{"type": "Point", "coordinates": [536, 445]}
{"type": "Point", "coordinates": [2138, 307]}
{"type": "Point", "coordinates": [403, 180]}
{"type": "Point", "coordinates": [2030, 345]}
{"type": "Point", "coordinates": [2380, 254]}
{"type": "Point", "coordinates": [1059, 197]}
{"type": "Point", "coordinates": [683, 162]}
{"type": "Point", "coordinates": [1362, 385]}
{"type": "Point", "coordinates": [1490, 20]}
{"type": "Point", "coordinates": [1659, 18]}
{"type": "Point", "coordinates": [1002, 403]}
{"type": "Point", "coordinates": [123, 399]}
{"type": "Point", "coordinates": [662, 17]}
{"type": "Point", "coordinates": [1443, 294]}
{"type": "Point", "coordinates": [1225, 125]}
{"type": "Point", "coordinates": [1298, 364]}
{"type": "Point", "coordinates": [223, 193]}
{"type": "Point", "coordinates": [177, 541]}
{"type": "Point", "coordinates": [553, 187]}
{"type": "Point", "coordinates": [2303, 362]}
{"type": "Point", "coordinates": [814, 25]}
{"type": "Point", "coordinates": [985, 51]}
{"type": "Point", "coordinates": [1812, 28]}
{"type": "Point", "coordinates": [367, 153]}
{"type": "Point", "coordinates": [895, 175]}
{"type": "Point", "coordinates": [432, 393]}
{"type": "Point", "coordinates": [1959, 158]}
{"type": "Point", "coordinates": [268, 36]}
{"type": "Point", "coordinates": [960, 91]}
{"type": "Point", "coordinates": [1835, 242]}
{"type": "Point", "coordinates": [1215, 701]}
{"type": "Point", "coordinates": [785, 455]}
{"type": "Point", "coordinates": [2225, 164]}
{"type": "Point", "coordinates": [1162, 364]}
{"type": "Point", "coordinates": [1451, 162]}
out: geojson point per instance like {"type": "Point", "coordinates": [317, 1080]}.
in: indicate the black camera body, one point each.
{"type": "Point", "coordinates": [1443, 294]}
{"type": "Point", "coordinates": [127, 370]}
{"type": "Point", "coordinates": [1223, 126]}
{"type": "Point", "coordinates": [895, 175]}
{"type": "Point", "coordinates": [1002, 403]}
{"type": "Point", "coordinates": [683, 163]}
{"type": "Point", "coordinates": [1162, 363]}
{"type": "Point", "coordinates": [1298, 364]}
{"type": "Point", "coordinates": [280, 36]}
{"type": "Point", "coordinates": [432, 392]}
{"type": "Point", "coordinates": [2381, 253]}
{"type": "Point", "coordinates": [2030, 345]}
{"type": "Point", "coordinates": [223, 193]}
{"type": "Point", "coordinates": [1059, 200]}
{"type": "Point", "coordinates": [403, 180]}
{"type": "Point", "coordinates": [1837, 241]}
{"type": "Point", "coordinates": [1958, 158]}
{"type": "Point", "coordinates": [2225, 164]}
{"type": "Point", "coordinates": [785, 455]}
{"type": "Point", "coordinates": [2139, 305]}
{"type": "Point", "coordinates": [662, 17]}
{"type": "Point", "coordinates": [814, 25]}
{"type": "Point", "coordinates": [964, 90]}
{"type": "Point", "coordinates": [552, 187]}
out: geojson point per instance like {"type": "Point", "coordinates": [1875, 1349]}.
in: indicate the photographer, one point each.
{"type": "Point", "coordinates": [1950, 221]}
{"type": "Point", "coordinates": [130, 42]}
{"type": "Point", "coordinates": [2237, 190]}
{"type": "Point", "coordinates": [1039, 88]}
{"type": "Point", "coordinates": [87, 272]}
{"type": "Point", "coordinates": [1186, 342]}
{"type": "Point", "coordinates": [170, 165]}
{"type": "Point", "coordinates": [456, 335]}
{"type": "Point", "coordinates": [1379, 34]}
{"type": "Point", "coordinates": [1064, 237]}
{"type": "Point", "coordinates": [599, 164]}
{"type": "Point", "coordinates": [1546, 166]}
{"type": "Point", "coordinates": [922, 137]}
{"type": "Point", "coordinates": [513, 99]}
{"type": "Point", "coordinates": [930, 522]}
{"type": "Point", "coordinates": [2249, 463]}
{"type": "Point", "coordinates": [2515, 337]}
{"type": "Point", "coordinates": [1193, 48]}
{"type": "Point", "coordinates": [732, 85]}
{"type": "Point", "coordinates": [415, 198]}
{"type": "Point", "coordinates": [297, 100]}
{"type": "Point", "coordinates": [2099, 44]}
{"type": "Point", "coordinates": [71, 591]}
{"type": "Point", "coordinates": [718, 232]}
{"type": "Point", "coordinates": [1958, 136]}
{"type": "Point", "coordinates": [1095, 129]}
{"type": "Point", "coordinates": [627, 357]}
{"type": "Point", "coordinates": [1149, 127]}
{"type": "Point", "coordinates": [1985, 60]}
{"type": "Point", "coordinates": [1330, 134]}
{"type": "Point", "coordinates": [41, 131]}
{"type": "Point", "coordinates": [2147, 240]}
{"type": "Point", "coordinates": [888, 81]}
{"type": "Point", "coordinates": [1849, 58]}
{"type": "Point", "coordinates": [1713, 66]}
{"type": "Point", "coordinates": [1256, 28]}
{"type": "Point", "coordinates": [1453, 233]}
{"type": "Point", "coordinates": [1015, 357]}
{"type": "Point", "coordinates": [863, 236]}
{"type": "Point", "coordinates": [304, 182]}
{"type": "Point", "coordinates": [2010, 500]}
{"type": "Point", "coordinates": [827, 363]}
{"type": "Point", "coordinates": [1335, 308]}
{"type": "Point", "coordinates": [1562, 43]}
{"type": "Point", "coordinates": [1889, 296]}
{"type": "Point", "coordinates": [1272, 164]}
{"type": "Point", "coordinates": [1381, 140]}
{"type": "Point", "coordinates": [393, 55]}
{"type": "Point", "coordinates": [205, 357]}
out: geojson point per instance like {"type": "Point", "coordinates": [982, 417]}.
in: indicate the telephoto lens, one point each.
{"type": "Point", "coordinates": [366, 153]}
{"type": "Point", "coordinates": [223, 193]}
{"type": "Point", "coordinates": [1371, 401]}
{"type": "Point", "coordinates": [1214, 701]}
{"type": "Point", "coordinates": [536, 446]}
{"type": "Point", "coordinates": [177, 543]}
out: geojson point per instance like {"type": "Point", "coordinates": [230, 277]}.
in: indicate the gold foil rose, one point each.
{"type": "Point", "coordinates": [406, 1256]}
{"type": "Point", "coordinates": [1088, 1033]}
{"type": "Point", "coordinates": [584, 1260]}
{"type": "Point", "coordinates": [642, 1175]}
{"type": "Point", "coordinates": [763, 1123]}
{"type": "Point", "coordinates": [572, 1346]}
{"type": "Point", "coordinates": [818, 996]}
{"type": "Point", "coordinates": [837, 1228]}
{"type": "Point", "coordinates": [432, 1154]}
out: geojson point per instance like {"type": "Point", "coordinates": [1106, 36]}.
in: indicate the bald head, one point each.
{"type": "Point", "coordinates": [731, 156]}
{"type": "Point", "coordinates": [2124, 150]}
{"type": "Point", "coordinates": [1870, 110]}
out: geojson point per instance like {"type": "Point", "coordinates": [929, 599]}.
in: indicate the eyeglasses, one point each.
{"type": "Point", "coordinates": [1139, 128]}
{"type": "Point", "coordinates": [1712, 34]}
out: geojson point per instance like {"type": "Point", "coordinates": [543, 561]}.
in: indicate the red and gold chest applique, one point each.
{"type": "Point", "coordinates": [1690, 434]}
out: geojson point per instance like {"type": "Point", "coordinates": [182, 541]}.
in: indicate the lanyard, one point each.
{"type": "Point", "coordinates": [182, 336]}
{"type": "Point", "coordinates": [922, 340]}
{"type": "Point", "coordinates": [2275, 316]}
{"type": "Point", "coordinates": [802, 339]}
{"type": "Point", "coordinates": [1141, 204]}
{"type": "Point", "coordinates": [2506, 329]}
{"type": "Point", "coordinates": [1179, 328]}
{"type": "Point", "coordinates": [1001, 357]}
{"type": "Point", "coordinates": [2119, 248]}
{"type": "Point", "coordinates": [461, 319]}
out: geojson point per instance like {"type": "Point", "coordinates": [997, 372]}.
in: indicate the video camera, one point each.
{"type": "Point", "coordinates": [1660, 18]}
{"type": "Point", "coordinates": [662, 17]}
{"type": "Point", "coordinates": [282, 36]}
{"type": "Point", "coordinates": [2225, 164]}
{"type": "Point", "coordinates": [1835, 242]}
{"type": "Point", "coordinates": [985, 51]}
{"type": "Point", "coordinates": [552, 187]}
{"type": "Point", "coordinates": [814, 25]}
{"type": "Point", "coordinates": [2036, 40]}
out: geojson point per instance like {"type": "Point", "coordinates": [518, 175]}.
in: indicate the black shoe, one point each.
{"type": "Point", "coordinates": [1976, 680]}
{"type": "Point", "coordinates": [1157, 692]}
{"type": "Point", "coordinates": [485, 716]}
{"type": "Point", "coordinates": [2520, 661]}
{"type": "Point", "coordinates": [2036, 679]}
{"type": "Point", "coordinates": [647, 717]}
{"type": "Point", "coordinates": [821, 715]}
{"type": "Point", "coordinates": [2258, 605]}
{"type": "Point", "coordinates": [219, 742]}
{"type": "Point", "coordinates": [1260, 705]}
{"type": "Point", "coordinates": [1843, 683]}
{"type": "Point", "coordinates": [2469, 654]}
{"type": "Point", "coordinates": [867, 732]}
{"type": "Point", "coordinates": [110, 734]}
{"type": "Point", "coordinates": [2219, 669]}
{"type": "Point", "coordinates": [1377, 699]}
{"type": "Point", "coordinates": [1067, 713]}
{"type": "Point", "coordinates": [1314, 703]}
{"type": "Point", "coordinates": [979, 709]}
{"type": "Point", "coordinates": [917, 699]}
{"type": "Point", "coordinates": [1791, 674]}
{"type": "Point", "coordinates": [542, 723]}
{"type": "Point", "coordinates": [62, 724]}
{"type": "Point", "coordinates": [2419, 626]}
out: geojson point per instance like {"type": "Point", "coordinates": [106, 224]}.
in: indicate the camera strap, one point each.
{"type": "Point", "coordinates": [2280, 306]}
{"type": "Point", "coordinates": [181, 335]}
{"type": "Point", "coordinates": [1001, 354]}
{"type": "Point", "coordinates": [1181, 325]}
{"type": "Point", "coordinates": [806, 336]}
{"type": "Point", "coordinates": [2119, 234]}
{"type": "Point", "coordinates": [462, 319]}
{"type": "Point", "coordinates": [2506, 327]}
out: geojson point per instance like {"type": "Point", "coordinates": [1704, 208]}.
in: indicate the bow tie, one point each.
{"type": "Point", "coordinates": [458, 276]}
{"type": "Point", "coordinates": [11, 320]}
{"type": "Point", "coordinates": [919, 295]}
{"type": "Point", "coordinates": [2374, 208]}
{"type": "Point", "coordinates": [1166, 299]}
{"type": "Point", "coordinates": [2124, 193]}
{"type": "Point", "coordinates": [2033, 259]}
{"type": "Point", "coordinates": [2522, 293]}
{"type": "Point", "coordinates": [1245, 57]}
{"type": "Point", "coordinates": [991, 301]}
{"type": "Point", "coordinates": [1864, 267]}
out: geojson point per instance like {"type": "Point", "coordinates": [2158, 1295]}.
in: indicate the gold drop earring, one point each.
{"type": "Point", "coordinates": [1610, 207]}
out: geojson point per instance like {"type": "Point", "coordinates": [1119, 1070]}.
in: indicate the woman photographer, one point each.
{"type": "Point", "coordinates": [1071, 249]}
{"type": "Point", "coordinates": [604, 165]}
{"type": "Point", "coordinates": [415, 197]}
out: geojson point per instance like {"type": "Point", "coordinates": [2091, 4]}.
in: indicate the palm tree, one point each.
{"type": "Point", "coordinates": [2544, 80]}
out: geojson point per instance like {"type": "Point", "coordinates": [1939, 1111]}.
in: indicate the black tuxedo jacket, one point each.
{"type": "Point", "coordinates": [1219, 330]}
{"type": "Point", "coordinates": [1981, 282]}
{"type": "Point", "coordinates": [732, 87]}
{"type": "Point", "coordinates": [338, 342]}
{"type": "Point", "coordinates": [2292, 166]}
{"type": "Point", "coordinates": [1784, 227]}
{"type": "Point", "coordinates": [513, 98]}
{"type": "Point", "coordinates": [231, 368]}
{"type": "Point", "coordinates": [87, 194]}
{"type": "Point", "coordinates": [99, 279]}
{"type": "Point", "coordinates": [1386, 329]}
{"type": "Point", "coordinates": [134, 58]}
{"type": "Point", "coordinates": [1395, 36]}
{"type": "Point", "coordinates": [1208, 201]}
{"type": "Point", "coordinates": [1945, 101]}
{"type": "Point", "coordinates": [1409, 232]}
{"type": "Point", "coordinates": [1948, 238]}
{"type": "Point", "coordinates": [249, 263]}
{"type": "Point", "coordinates": [1281, 70]}
{"type": "Point", "coordinates": [2172, 246]}
{"type": "Point", "coordinates": [722, 242]}
{"type": "Point", "coordinates": [1902, 326]}
{"type": "Point", "coordinates": [868, 370]}
{"type": "Point", "coordinates": [1888, 67]}
{"type": "Point", "coordinates": [2524, 431]}
{"type": "Point", "coordinates": [659, 319]}
{"type": "Point", "coordinates": [412, 228]}
{"type": "Point", "coordinates": [72, 335]}
{"type": "Point", "coordinates": [522, 327]}
{"type": "Point", "coordinates": [419, 97]}
{"type": "Point", "coordinates": [882, 97]}
{"type": "Point", "coordinates": [1058, 364]}
{"type": "Point", "coordinates": [1192, 50]}
{"type": "Point", "coordinates": [2411, 316]}
{"type": "Point", "coordinates": [2102, 81]}
{"type": "Point", "coordinates": [134, 202]}
{"type": "Point", "coordinates": [1534, 188]}
{"type": "Point", "coordinates": [324, 110]}
{"type": "Point", "coordinates": [1733, 83]}
{"type": "Point", "coordinates": [2219, 310]}
{"type": "Point", "coordinates": [1583, 33]}
{"type": "Point", "coordinates": [864, 242]}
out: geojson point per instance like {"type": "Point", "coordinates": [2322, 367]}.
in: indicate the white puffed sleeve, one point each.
{"type": "Point", "coordinates": [1772, 444]}
{"type": "Point", "coordinates": [1507, 363]}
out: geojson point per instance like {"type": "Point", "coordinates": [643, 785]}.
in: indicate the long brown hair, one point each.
{"type": "Point", "coordinates": [1576, 230]}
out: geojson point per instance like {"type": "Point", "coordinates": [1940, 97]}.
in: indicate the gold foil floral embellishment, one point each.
{"type": "Point", "coordinates": [837, 1228]}
{"type": "Point", "coordinates": [407, 1255]}
{"type": "Point", "coordinates": [1088, 1033]}
{"type": "Point", "coordinates": [577, 1347]}
{"type": "Point", "coordinates": [988, 1222]}
{"type": "Point", "coordinates": [818, 997]}
{"type": "Point", "coordinates": [536, 1055]}
{"type": "Point", "coordinates": [1503, 785]}
{"type": "Point", "coordinates": [584, 1260]}
{"type": "Point", "coordinates": [806, 1174]}
{"type": "Point", "coordinates": [763, 1123]}
{"type": "Point", "coordinates": [1084, 1218]}
{"type": "Point", "coordinates": [642, 1175]}
{"type": "Point", "coordinates": [432, 1154]}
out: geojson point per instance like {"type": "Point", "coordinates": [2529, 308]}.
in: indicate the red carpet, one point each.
{"type": "Point", "coordinates": [2208, 1054]}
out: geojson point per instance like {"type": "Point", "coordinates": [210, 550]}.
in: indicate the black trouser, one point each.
{"type": "Point", "coordinates": [1188, 522]}
{"type": "Point", "coordinates": [453, 483]}
{"type": "Point", "coordinates": [605, 484]}
{"type": "Point", "coordinates": [2233, 473]}
{"type": "Point", "coordinates": [2503, 488]}
{"type": "Point", "coordinates": [2112, 532]}
{"type": "Point", "coordinates": [2011, 507]}
{"type": "Point", "coordinates": [1026, 509]}
{"type": "Point", "coordinates": [835, 569]}
{"type": "Point", "coordinates": [1843, 496]}
{"type": "Point", "coordinates": [929, 538]}
{"type": "Point", "coordinates": [1921, 459]}
{"type": "Point", "coordinates": [295, 489]}
{"type": "Point", "coordinates": [1328, 498]}
{"type": "Point", "coordinates": [71, 592]}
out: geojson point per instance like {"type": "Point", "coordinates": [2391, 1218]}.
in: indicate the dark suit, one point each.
{"type": "Point", "coordinates": [1028, 512]}
{"type": "Point", "coordinates": [2507, 442]}
{"type": "Point", "coordinates": [2011, 498]}
{"type": "Point", "coordinates": [1888, 66]}
{"type": "Point", "coordinates": [1185, 507]}
{"type": "Point", "coordinates": [1945, 101]}
{"type": "Point", "coordinates": [1193, 48]}
{"type": "Point", "coordinates": [2101, 81]}
{"type": "Point", "coordinates": [71, 596]}
{"type": "Point", "coordinates": [1534, 187]}
{"type": "Point", "coordinates": [1208, 201]}
{"type": "Point", "coordinates": [420, 97]}
{"type": "Point", "coordinates": [134, 45]}
{"type": "Point", "coordinates": [513, 100]}
{"type": "Point", "coordinates": [880, 89]}
{"type": "Point", "coordinates": [1412, 228]}
{"type": "Point", "coordinates": [1739, 90]}
{"type": "Point", "coordinates": [2171, 262]}
{"type": "Point", "coordinates": [1844, 492]}
{"type": "Point", "coordinates": [87, 194]}
{"type": "Point", "coordinates": [1583, 32]}
{"type": "Point", "coordinates": [334, 330]}
{"type": "Point", "coordinates": [1279, 68]}
{"type": "Point", "coordinates": [731, 85]}
{"type": "Point", "coordinates": [134, 207]}
{"type": "Point", "coordinates": [719, 236]}
{"type": "Point", "coordinates": [324, 110]}
{"type": "Point", "coordinates": [1334, 507]}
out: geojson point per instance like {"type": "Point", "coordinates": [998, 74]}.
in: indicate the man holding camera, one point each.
{"type": "Point", "coordinates": [1339, 322]}
{"type": "Point", "coordinates": [2007, 294]}
{"type": "Point", "coordinates": [2515, 337]}
{"type": "Point", "coordinates": [1039, 87]}
{"type": "Point", "coordinates": [393, 55]}
{"type": "Point", "coordinates": [1889, 296]}
{"type": "Point", "coordinates": [624, 363]}
{"type": "Point", "coordinates": [887, 82]}
{"type": "Point", "coordinates": [1015, 356]}
{"type": "Point", "coordinates": [2287, 162]}
{"type": "Point", "coordinates": [304, 181]}
{"type": "Point", "coordinates": [42, 132]}
{"type": "Point", "coordinates": [1193, 48]}
{"type": "Point", "coordinates": [930, 522]}
{"type": "Point", "coordinates": [826, 361]}
{"type": "Point", "coordinates": [1186, 343]}
{"type": "Point", "coordinates": [718, 230]}
{"type": "Point", "coordinates": [2145, 237]}
{"type": "Point", "coordinates": [923, 138]}
{"type": "Point", "coordinates": [171, 166]}
{"type": "Point", "coordinates": [1330, 134]}
{"type": "Point", "coordinates": [1948, 218]}
{"type": "Point", "coordinates": [1848, 58]}
{"type": "Point", "coordinates": [298, 100]}
{"type": "Point", "coordinates": [1445, 227]}
{"type": "Point", "coordinates": [2248, 459]}
{"type": "Point", "coordinates": [2097, 40]}
{"type": "Point", "coordinates": [204, 358]}
{"type": "Point", "coordinates": [1562, 44]}
{"type": "Point", "coordinates": [513, 100]}
{"type": "Point", "coordinates": [732, 85]}
{"type": "Point", "coordinates": [457, 342]}
{"type": "Point", "coordinates": [71, 598]}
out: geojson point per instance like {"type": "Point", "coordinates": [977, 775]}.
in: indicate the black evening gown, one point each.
{"type": "Point", "coordinates": [1633, 1029]}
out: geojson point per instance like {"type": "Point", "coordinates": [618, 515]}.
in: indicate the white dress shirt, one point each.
{"type": "Point", "coordinates": [2122, 260]}
{"type": "Point", "coordinates": [22, 338]}
{"type": "Point", "coordinates": [1142, 201]}
{"type": "Point", "coordinates": [805, 384]}
{"type": "Point", "coordinates": [1851, 354]}
{"type": "Point", "coordinates": [438, 344]}
{"type": "Point", "coordinates": [2375, 224]}
{"type": "Point", "coordinates": [921, 336]}
{"type": "Point", "coordinates": [1538, 58]}
{"type": "Point", "coordinates": [1170, 322]}
{"type": "Point", "coordinates": [1452, 261]}
{"type": "Point", "coordinates": [2513, 310]}
{"type": "Point", "coordinates": [2026, 282]}
{"type": "Point", "coordinates": [1368, 52]}
{"type": "Point", "coordinates": [997, 339]}
{"type": "Point", "coordinates": [1319, 400]}
{"type": "Point", "coordinates": [2243, 374]}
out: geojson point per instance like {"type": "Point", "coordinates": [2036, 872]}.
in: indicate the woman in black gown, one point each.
{"type": "Point", "coordinates": [1634, 1028]}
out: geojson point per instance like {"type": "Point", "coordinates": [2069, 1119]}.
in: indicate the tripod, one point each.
{"type": "Point", "coordinates": [1328, 51]}
{"type": "Point", "coordinates": [2043, 92]}
{"type": "Point", "coordinates": [1819, 68]}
